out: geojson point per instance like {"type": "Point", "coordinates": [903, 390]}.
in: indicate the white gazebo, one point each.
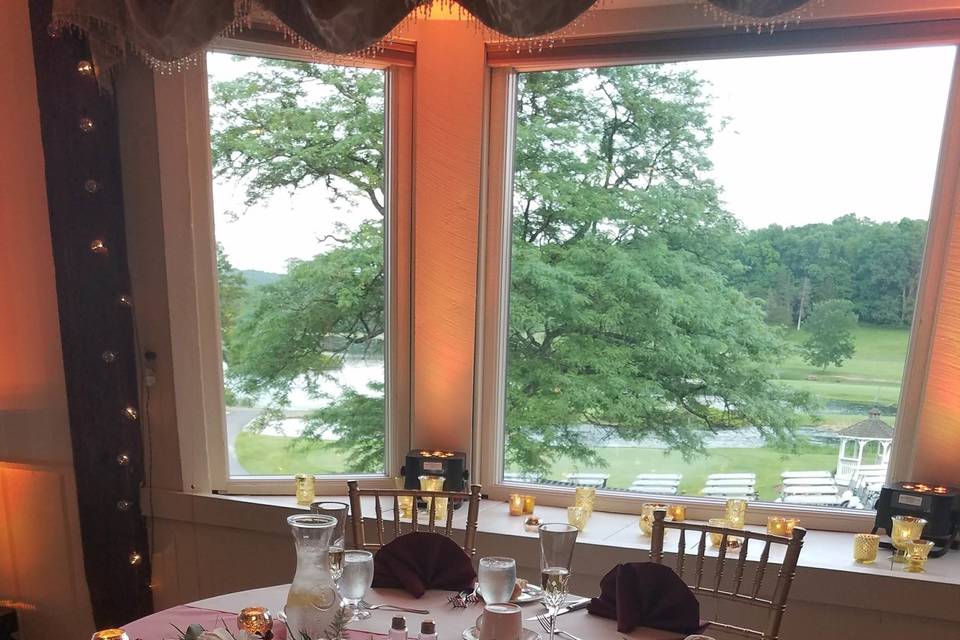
{"type": "Point", "coordinates": [853, 441]}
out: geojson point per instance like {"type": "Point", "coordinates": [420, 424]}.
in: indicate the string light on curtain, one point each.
{"type": "Point", "coordinates": [759, 15]}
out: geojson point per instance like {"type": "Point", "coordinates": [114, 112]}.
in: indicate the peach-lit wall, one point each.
{"type": "Point", "coordinates": [41, 568]}
{"type": "Point", "coordinates": [448, 119]}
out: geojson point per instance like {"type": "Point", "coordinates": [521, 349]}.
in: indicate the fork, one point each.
{"type": "Point", "coordinates": [545, 623]}
{"type": "Point", "coordinates": [393, 607]}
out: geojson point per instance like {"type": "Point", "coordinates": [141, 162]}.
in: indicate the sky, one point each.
{"type": "Point", "coordinates": [808, 138]}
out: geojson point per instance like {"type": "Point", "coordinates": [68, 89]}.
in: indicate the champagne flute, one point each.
{"type": "Point", "coordinates": [556, 557]}
{"type": "Point", "coordinates": [497, 578]}
{"type": "Point", "coordinates": [338, 511]}
{"type": "Point", "coordinates": [356, 580]}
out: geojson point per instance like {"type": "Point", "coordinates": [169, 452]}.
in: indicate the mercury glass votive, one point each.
{"type": "Point", "coordinates": [917, 553]}
{"type": "Point", "coordinates": [646, 516]}
{"type": "Point", "coordinates": [435, 483]}
{"type": "Point", "coordinates": [529, 502]}
{"type": "Point", "coordinates": [906, 529]}
{"type": "Point", "coordinates": [585, 497]}
{"type": "Point", "coordinates": [305, 488]}
{"type": "Point", "coordinates": [516, 504]}
{"type": "Point", "coordinates": [677, 512]}
{"type": "Point", "coordinates": [110, 634]}
{"type": "Point", "coordinates": [255, 620]}
{"type": "Point", "coordinates": [735, 512]}
{"type": "Point", "coordinates": [865, 547]}
{"type": "Point", "coordinates": [578, 516]}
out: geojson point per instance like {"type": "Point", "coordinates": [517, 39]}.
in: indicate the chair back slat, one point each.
{"type": "Point", "coordinates": [701, 552]}
{"type": "Point", "coordinates": [761, 570]}
{"type": "Point", "coordinates": [379, 509]}
{"type": "Point", "coordinates": [721, 559]}
{"type": "Point", "coordinates": [396, 516]}
{"type": "Point", "coordinates": [741, 564]}
{"type": "Point", "coordinates": [472, 500]}
{"type": "Point", "coordinates": [681, 552]}
{"type": "Point", "coordinates": [775, 605]}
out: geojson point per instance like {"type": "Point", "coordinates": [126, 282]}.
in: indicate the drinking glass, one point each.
{"type": "Point", "coordinates": [497, 578]}
{"type": "Point", "coordinates": [556, 557]}
{"type": "Point", "coordinates": [356, 580]}
{"type": "Point", "coordinates": [337, 511]}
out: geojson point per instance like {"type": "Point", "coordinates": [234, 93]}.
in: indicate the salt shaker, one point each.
{"type": "Point", "coordinates": [428, 630]}
{"type": "Point", "coordinates": [398, 629]}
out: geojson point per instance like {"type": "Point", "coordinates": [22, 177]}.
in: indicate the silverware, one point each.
{"type": "Point", "coordinates": [393, 607]}
{"type": "Point", "coordinates": [545, 623]}
{"type": "Point", "coordinates": [576, 606]}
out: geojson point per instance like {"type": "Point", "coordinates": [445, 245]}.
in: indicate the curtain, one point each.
{"type": "Point", "coordinates": [171, 33]}
{"type": "Point", "coordinates": [759, 8]}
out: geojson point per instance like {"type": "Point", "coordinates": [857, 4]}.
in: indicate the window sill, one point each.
{"type": "Point", "coordinates": [827, 573]}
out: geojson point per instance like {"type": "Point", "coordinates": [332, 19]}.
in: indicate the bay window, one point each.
{"type": "Point", "coordinates": [704, 273]}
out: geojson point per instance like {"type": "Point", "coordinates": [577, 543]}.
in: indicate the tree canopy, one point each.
{"type": "Point", "coordinates": [638, 305]}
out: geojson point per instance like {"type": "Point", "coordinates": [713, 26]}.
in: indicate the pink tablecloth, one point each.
{"type": "Point", "coordinates": [451, 621]}
{"type": "Point", "coordinates": [164, 625]}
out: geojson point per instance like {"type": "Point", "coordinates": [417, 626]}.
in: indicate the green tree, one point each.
{"type": "Point", "coordinates": [622, 316]}
{"type": "Point", "coordinates": [830, 328]}
{"type": "Point", "coordinates": [232, 287]}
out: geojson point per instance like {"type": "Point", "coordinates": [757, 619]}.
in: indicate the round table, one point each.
{"type": "Point", "coordinates": [450, 621]}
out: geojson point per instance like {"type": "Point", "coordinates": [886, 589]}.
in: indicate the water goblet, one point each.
{"type": "Point", "coordinates": [497, 577]}
{"type": "Point", "coordinates": [556, 558]}
{"type": "Point", "coordinates": [905, 530]}
{"type": "Point", "coordinates": [356, 580]}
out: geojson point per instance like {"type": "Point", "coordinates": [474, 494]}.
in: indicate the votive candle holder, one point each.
{"type": "Point", "coordinates": [578, 516]}
{"type": "Point", "coordinates": [255, 620]}
{"type": "Point", "coordinates": [781, 526]}
{"type": "Point", "coordinates": [529, 503]}
{"type": "Point", "coordinates": [735, 512]}
{"type": "Point", "coordinates": [110, 634]}
{"type": "Point", "coordinates": [585, 497]}
{"type": "Point", "coordinates": [516, 504]}
{"type": "Point", "coordinates": [677, 512]}
{"type": "Point", "coordinates": [646, 516]}
{"type": "Point", "coordinates": [865, 547]}
{"type": "Point", "coordinates": [917, 553]}
{"type": "Point", "coordinates": [306, 491]}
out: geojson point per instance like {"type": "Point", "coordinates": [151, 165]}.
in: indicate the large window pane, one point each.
{"type": "Point", "coordinates": [298, 154]}
{"type": "Point", "coordinates": [714, 267]}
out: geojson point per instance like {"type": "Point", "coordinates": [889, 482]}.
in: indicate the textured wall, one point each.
{"type": "Point", "coordinates": [41, 568]}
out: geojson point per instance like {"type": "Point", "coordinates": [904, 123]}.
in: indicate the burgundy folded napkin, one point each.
{"type": "Point", "coordinates": [646, 594]}
{"type": "Point", "coordinates": [421, 560]}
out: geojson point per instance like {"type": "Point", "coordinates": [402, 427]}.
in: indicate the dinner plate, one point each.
{"type": "Point", "coordinates": [474, 634]}
{"type": "Point", "coordinates": [530, 593]}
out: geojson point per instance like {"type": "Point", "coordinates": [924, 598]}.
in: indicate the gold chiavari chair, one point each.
{"type": "Point", "coordinates": [754, 592]}
{"type": "Point", "coordinates": [471, 498]}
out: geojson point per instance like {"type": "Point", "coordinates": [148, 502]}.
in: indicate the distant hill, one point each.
{"type": "Point", "coordinates": [256, 278]}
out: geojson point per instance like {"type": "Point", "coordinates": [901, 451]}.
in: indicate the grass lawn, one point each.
{"type": "Point", "coordinates": [871, 376]}
{"type": "Point", "coordinates": [270, 455]}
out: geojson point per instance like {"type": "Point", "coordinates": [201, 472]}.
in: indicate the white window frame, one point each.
{"type": "Point", "coordinates": [495, 250]}
{"type": "Point", "coordinates": [186, 190]}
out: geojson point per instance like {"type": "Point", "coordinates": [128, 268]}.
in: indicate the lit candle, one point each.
{"type": "Point", "coordinates": [529, 502]}
{"type": "Point", "coordinates": [110, 634]}
{"type": "Point", "coordinates": [516, 504]}
{"type": "Point", "coordinates": [777, 526]}
{"type": "Point", "coordinates": [306, 491]}
{"type": "Point", "coordinates": [255, 620]}
{"type": "Point", "coordinates": [677, 512]}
